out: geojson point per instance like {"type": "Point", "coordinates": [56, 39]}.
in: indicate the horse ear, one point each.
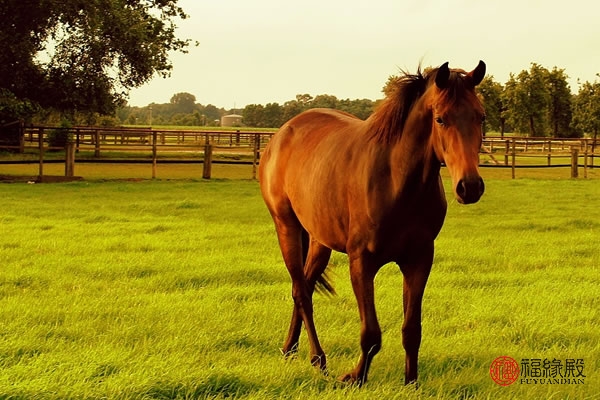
{"type": "Point", "coordinates": [478, 73]}
{"type": "Point", "coordinates": [442, 76]}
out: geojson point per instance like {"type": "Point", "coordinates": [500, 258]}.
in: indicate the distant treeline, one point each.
{"type": "Point", "coordinates": [183, 110]}
{"type": "Point", "coordinates": [535, 102]}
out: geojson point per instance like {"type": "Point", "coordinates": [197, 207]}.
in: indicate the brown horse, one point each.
{"type": "Point", "coordinates": [372, 189]}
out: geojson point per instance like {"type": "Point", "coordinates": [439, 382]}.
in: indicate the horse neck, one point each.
{"type": "Point", "coordinates": [412, 156]}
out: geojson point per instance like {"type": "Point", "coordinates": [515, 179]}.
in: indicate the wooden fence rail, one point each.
{"type": "Point", "coordinates": [567, 151]}
{"type": "Point", "coordinates": [139, 144]}
{"type": "Point", "coordinates": [147, 145]}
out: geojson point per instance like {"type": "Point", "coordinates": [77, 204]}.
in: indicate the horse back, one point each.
{"type": "Point", "coordinates": [303, 172]}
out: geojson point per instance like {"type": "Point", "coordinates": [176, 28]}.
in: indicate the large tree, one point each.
{"type": "Point", "coordinates": [527, 99]}
{"type": "Point", "coordinates": [560, 112]}
{"type": "Point", "coordinates": [84, 55]}
{"type": "Point", "coordinates": [491, 91]}
{"type": "Point", "coordinates": [183, 103]}
{"type": "Point", "coordinates": [586, 109]}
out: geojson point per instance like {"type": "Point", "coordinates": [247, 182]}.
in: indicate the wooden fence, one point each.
{"type": "Point", "coordinates": [540, 153]}
{"type": "Point", "coordinates": [147, 145]}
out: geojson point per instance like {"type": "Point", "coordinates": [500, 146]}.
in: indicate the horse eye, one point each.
{"type": "Point", "coordinates": [439, 120]}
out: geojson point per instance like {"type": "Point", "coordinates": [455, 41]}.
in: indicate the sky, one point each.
{"type": "Point", "coordinates": [266, 51]}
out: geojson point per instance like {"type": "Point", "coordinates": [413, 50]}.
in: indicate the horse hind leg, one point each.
{"type": "Point", "coordinates": [315, 260]}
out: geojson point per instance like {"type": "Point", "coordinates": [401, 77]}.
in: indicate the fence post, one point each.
{"type": "Point", "coordinates": [21, 137]}
{"type": "Point", "coordinates": [41, 151]}
{"type": "Point", "coordinates": [96, 143]}
{"type": "Point", "coordinates": [506, 152]}
{"type": "Point", "coordinates": [256, 154]}
{"type": "Point", "coordinates": [549, 152]}
{"type": "Point", "coordinates": [77, 140]}
{"type": "Point", "coordinates": [585, 159]}
{"type": "Point", "coordinates": [574, 162]}
{"type": "Point", "coordinates": [70, 159]}
{"type": "Point", "coordinates": [207, 166]}
{"type": "Point", "coordinates": [154, 139]}
{"type": "Point", "coordinates": [514, 155]}
{"type": "Point", "coordinates": [592, 155]}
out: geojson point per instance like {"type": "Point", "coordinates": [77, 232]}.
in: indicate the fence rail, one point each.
{"type": "Point", "coordinates": [148, 145]}
{"type": "Point", "coordinates": [541, 153]}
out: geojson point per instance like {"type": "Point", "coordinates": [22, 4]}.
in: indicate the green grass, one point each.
{"type": "Point", "coordinates": [161, 289]}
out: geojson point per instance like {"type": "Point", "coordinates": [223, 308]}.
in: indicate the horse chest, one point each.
{"type": "Point", "coordinates": [392, 235]}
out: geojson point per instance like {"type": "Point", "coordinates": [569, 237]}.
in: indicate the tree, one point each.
{"type": "Point", "coordinates": [362, 108]}
{"type": "Point", "coordinates": [272, 116]}
{"type": "Point", "coordinates": [305, 100]}
{"type": "Point", "coordinates": [491, 92]}
{"type": "Point", "coordinates": [324, 101]}
{"type": "Point", "coordinates": [586, 109]}
{"type": "Point", "coordinates": [253, 115]}
{"type": "Point", "coordinates": [184, 103]}
{"type": "Point", "coordinates": [527, 99]}
{"type": "Point", "coordinates": [291, 109]}
{"type": "Point", "coordinates": [85, 55]}
{"type": "Point", "coordinates": [211, 113]}
{"type": "Point", "coordinates": [560, 113]}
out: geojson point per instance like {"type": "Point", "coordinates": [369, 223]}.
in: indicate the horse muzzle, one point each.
{"type": "Point", "coordinates": [469, 190]}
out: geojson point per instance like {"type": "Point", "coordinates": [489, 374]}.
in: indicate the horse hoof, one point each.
{"type": "Point", "coordinates": [290, 354]}
{"type": "Point", "coordinates": [350, 379]}
{"type": "Point", "coordinates": [319, 362]}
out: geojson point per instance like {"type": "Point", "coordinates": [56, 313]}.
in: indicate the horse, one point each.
{"type": "Point", "coordinates": [372, 189]}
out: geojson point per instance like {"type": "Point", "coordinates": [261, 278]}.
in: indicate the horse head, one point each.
{"type": "Point", "coordinates": [457, 132]}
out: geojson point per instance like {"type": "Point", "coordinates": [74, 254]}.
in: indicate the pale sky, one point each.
{"type": "Point", "coordinates": [263, 51]}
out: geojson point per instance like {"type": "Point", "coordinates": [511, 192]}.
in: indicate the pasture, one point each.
{"type": "Point", "coordinates": [162, 289]}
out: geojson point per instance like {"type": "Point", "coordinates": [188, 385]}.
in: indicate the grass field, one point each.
{"type": "Point", "coordinates": [176, 289]}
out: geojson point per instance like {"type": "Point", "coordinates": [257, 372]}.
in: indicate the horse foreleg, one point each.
{"type": "Point", "coordinates": [415, 278]}
{"type": "Point", "coordinates": [290, 347]}
{"type": "Point", "coordinates": [362, 275]}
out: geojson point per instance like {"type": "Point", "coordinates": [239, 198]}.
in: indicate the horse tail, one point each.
{"type": "Point", "coordinates": [305, 244]}
{"type": "Point", "coordinates": [323, 283]}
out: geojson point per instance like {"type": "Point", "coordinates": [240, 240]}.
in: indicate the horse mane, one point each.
{"type": "Point", "coordinates": [388, 119]}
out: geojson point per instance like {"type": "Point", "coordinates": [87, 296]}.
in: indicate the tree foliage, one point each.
{"type": "Point", "coordinates": [183, 103]}
{"type": "Point", "coordinates": [274, 115]}
{"type": "Point", "coordinates": [84, 55]}
{"type": "Point", "coordinates": [182, 109]}
{"type": "Point", "coordinates": [560, 113]}
{"type": "Point", "coordinates": [586, 108]}
{"type": "Point", "coordinates": [527, 98]}
{"type": "Point", "coordinates": [491, 92]}
{"type": "Point", "coordinates": [538, 101]}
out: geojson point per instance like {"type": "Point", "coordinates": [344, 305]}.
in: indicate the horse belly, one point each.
{"type": "Point", "coordinates": [308, 170]}
{"type": "Point", "coordinates": [321, 208]}
{"type": "Point", "coordinates": [318, 192]}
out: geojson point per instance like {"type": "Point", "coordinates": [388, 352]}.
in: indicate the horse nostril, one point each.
{"type": "Point", "coordinates": [469, 191]}
{"type": "Point", "coordinates": [461, 189]}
